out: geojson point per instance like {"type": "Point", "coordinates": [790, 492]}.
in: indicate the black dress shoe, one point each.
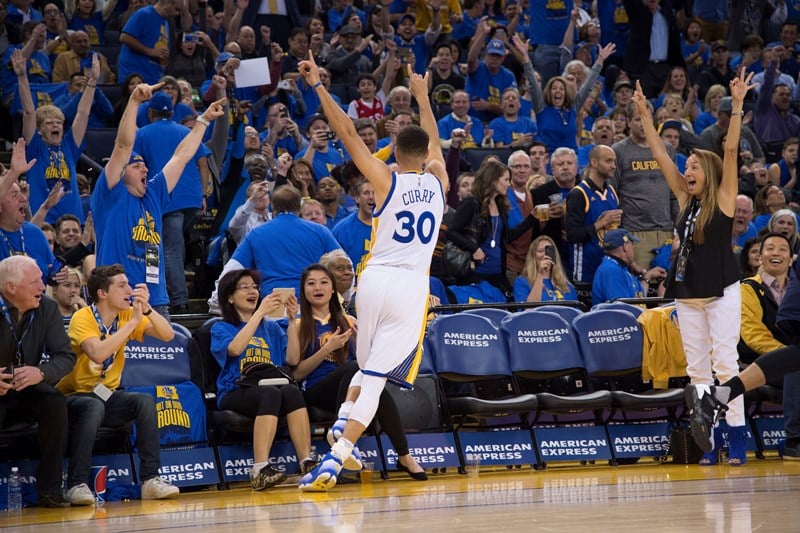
{"type": "Point", "coordinates": [53, 501]}
{"type": "Point", "coordinates": [416, 476]}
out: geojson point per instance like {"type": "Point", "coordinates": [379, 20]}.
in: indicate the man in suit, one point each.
{"type": "Point", "coordinates": [277, 16]}
{"type": "Point", "coordinates": [654, 46]}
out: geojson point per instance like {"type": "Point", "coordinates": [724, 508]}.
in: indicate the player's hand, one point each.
{"type": "Point", "coordinates": [309, 70]}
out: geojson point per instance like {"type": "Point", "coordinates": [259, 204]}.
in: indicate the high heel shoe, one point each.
{"type": "Point", "coordinates": [416, 476]}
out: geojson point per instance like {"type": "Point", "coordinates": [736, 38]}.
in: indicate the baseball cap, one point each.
{"type": "Point", "coordinates": [222, 58]}
{"type": "Point", "coordinates": [406, 16]}
{"type": "Point", "coordinates": [716, 45]}
{"type": "Point", "coordinates": [774, 44]}
{"type": "Point", "coordinates": [725, 105]}
{"type": "Point", "coordinates": [674, 124]}
{"type": "Point", "coordinates": [623, 83]}
{"type": "Point", "coordinates": [348, 29]}
{"type": "Point", "coordinates": [316, 116]}
{"type": "Point", "coordinates": [617, 237]}
{"type": "Point", "coordinates": [135, 158]}
{"type": "Point", "coordinates": [581, 45]}
{"type": "Point", "coordinates": [161, 101]}
{"type": "Point", "coordinates": [496, 47]}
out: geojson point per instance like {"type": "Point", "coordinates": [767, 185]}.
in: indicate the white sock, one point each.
{"type": "Point", "coordinates": [344, 410]}
{"type": "Point", "coordinates": [342, 449]}
{"type": "Point", "coordinates": [257, 467]}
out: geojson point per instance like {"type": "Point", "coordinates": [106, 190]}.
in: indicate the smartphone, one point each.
{"type": "Point", "coordinates": [403, 52]}
{"type": "Point", "coordinates": [550, 251]}
{"type": "Point", "coordinates": [331, 136]}
{"type": "Point", "coordinates": [58, 264]}
{"type": "Point", "coordinates": [9, 370]}
{"type": "Point", "coordinates": [285, 85]}
{"type": "Point", "coordinates": [191, 37]}
{"type": "Point", "coordinates": [284, 293]}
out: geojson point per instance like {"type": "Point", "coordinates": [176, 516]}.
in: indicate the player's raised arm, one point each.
{"type": "Point", "coordinates": [374, 170]}
{"type": "Point", "coordinates": [435, 163]}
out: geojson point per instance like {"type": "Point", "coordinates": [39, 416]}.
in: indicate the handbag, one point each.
{"type": "Point", "coordinates": [684, 450]}
{"type": "Point", "coordinates": [253, 373]}
{"type": "Point", "coordinates": [457, 262]}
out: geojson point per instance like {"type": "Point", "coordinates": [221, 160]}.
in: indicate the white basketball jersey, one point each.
{"type": "Point", "coordinates": [405, 230]}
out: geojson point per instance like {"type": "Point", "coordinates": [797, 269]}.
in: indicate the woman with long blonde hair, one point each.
{"type": "Point", "coordinates": [543, 278]}
{"type": "Point", "coordinates": [704, 277]}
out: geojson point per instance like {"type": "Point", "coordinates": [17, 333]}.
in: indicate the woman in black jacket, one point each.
{"type": "Point", "coordinates": [480, 225]}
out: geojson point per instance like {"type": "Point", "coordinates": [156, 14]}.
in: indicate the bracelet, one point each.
{"type": "Point", "coordinates": [203, 121]}
{"type": "Point", "coordinates": [148, 312]}
{"type": "Point", "coordinates": [90, 85]}
{"type": "Point", "coordinates": [316, 85]}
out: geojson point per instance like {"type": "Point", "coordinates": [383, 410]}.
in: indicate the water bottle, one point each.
{"type": "Point", "coordinates": [14, 491]}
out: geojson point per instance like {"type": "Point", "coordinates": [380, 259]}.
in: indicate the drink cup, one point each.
{"type": "Point", "coordinates": [365, 474]}
{"type": "Point", "coordinates": [542, 212]}
{"type": "Point", "coordinates": [98, 480]}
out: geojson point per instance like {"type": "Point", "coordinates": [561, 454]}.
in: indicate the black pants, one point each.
{"type": "Point", "coordinates": [48, 407]}
{"type": "Point", "coordinates": [331, 391]}
{"type": "Point", "coordinates": [261, 401]}
{"type": "Point", "coordinates": [778, 363]}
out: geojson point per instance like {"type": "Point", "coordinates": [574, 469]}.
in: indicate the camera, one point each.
{"type": "Point", "coordinates": [331, 136]}
{"type": "Point", "coordinates": [191, 37]}
{"type": "Point", "coordinates": [285, 85]}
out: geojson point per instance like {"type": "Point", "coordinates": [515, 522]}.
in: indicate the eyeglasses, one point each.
{"type": "Point", "coordinates": [251, 134]}
{"type": "Point", "coordinates": [246, 286]}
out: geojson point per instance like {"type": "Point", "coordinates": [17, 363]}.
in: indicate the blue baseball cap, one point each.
{"type": "Point", "coordinates": [161, 101]}
{"type": "Point", "coordinates": [496, 47]}
{"type": "Point", "coordinates": [222, 58]}
{"type": "Point", "coordinates": [617, 237]}
{"type": "Point", "coordinates": [135, 158]}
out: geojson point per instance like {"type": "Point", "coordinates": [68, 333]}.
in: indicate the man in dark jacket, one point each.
{"type": "Point", "coordinates": [654, 46]}
{"type": "Point", "coordinates": [30, 328]}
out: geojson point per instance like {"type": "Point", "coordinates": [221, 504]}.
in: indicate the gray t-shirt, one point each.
{"type": "Point", "coordinates": [645, 198]}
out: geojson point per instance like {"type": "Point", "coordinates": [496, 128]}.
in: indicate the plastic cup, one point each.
{"type": "Point", "coordinates": [98, 480]}
{"type": "Point", "coordinates": [473, 465]}
{"type": "Point", "coordinates": [365, 474]}
{"type": "Point", "coordinates": [542, 212]}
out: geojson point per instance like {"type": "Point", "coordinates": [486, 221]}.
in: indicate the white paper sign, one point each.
{"type": "Point", "coordinates": [252, 72]}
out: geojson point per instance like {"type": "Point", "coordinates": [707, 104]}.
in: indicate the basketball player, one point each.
{"type": "Point", "coordinates": [393, 287]}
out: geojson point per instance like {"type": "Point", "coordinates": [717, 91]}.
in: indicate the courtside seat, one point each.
{"type": "Point", "coordinates": [542, 351]}
{"type": "Point", "coordinates": [566, 312]}
{"type": "Point", "coordinates": [635, 310]}
{"type": "Point", "coordinates": [493, 314]}
{"type": "Point", "coordinates": [472, 363]}
{"type": "Point", "coordinates": [611, 345]}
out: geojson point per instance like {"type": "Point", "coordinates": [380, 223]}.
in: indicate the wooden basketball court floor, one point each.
{"type": "Point", "coordinates": [763, 495]}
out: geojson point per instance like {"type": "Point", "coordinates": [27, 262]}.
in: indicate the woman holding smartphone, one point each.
{"type": "Point", "coordinates": [704, 277]}
{"type": "Point", "coordinates": [543, 278]}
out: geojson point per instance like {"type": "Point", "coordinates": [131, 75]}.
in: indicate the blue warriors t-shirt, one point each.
{"type": "Point", "coordinates": [507, 132]}
{"type": "Point", "coordinates": [152, 30]}
{"type": "Point", "coordinates": [125, 225]}
{"type": "Point", "coordinates": [324, 162]}
{"type": "Point", "coordinates": [30, 241]}
{"type": "Point", "coordinates": [322, 333]}
{"type": "Point", "coordinates": [615, 24]}
{"type": "Point", "coordinates": [549, 20]}
{"type": "Point", "coordinates": [267, 345]}
{"type": "Point", "coordinates": [354, 236]}
{"type": "Point", "coordinates": [550, 293]}
{"type": "Point", "coordinates": [449, 123]}
{"type": "Point", "coordinates": [38, 67]}
{"type": "Point", "coordinates": [487, 86]}
{"type": "Point", "coordinates": [557, 128]}
{"type": "Point", "coordinates": [94, 27]}
{"type": "Point", "coordinates": [54, 164]}
{"type": "Point", "coordinates": [157, 143]}
{"type": "Point", "coordinates": [613, 280]}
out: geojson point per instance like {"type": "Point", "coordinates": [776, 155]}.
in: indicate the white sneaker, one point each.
{"type": "Point", "coordinates": [80, 495]}
{"type": "Point", "coordinates": [158, 489]}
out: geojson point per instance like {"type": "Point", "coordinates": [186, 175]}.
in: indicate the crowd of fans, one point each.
{"type": "Point", "coordinates": [213, 122]}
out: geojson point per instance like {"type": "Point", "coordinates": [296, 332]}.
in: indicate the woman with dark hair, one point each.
{"type": "Point", "coordinates": [480, 225]}
{"type": "Point", "coordinates": [769, 200]}
{"type": "Point", "coordinates": [324, 337]}
{"type": "Point", "coordinates": [749, 258]}
{"type": "Point", "coordinates": [246, 337]}
{"type": "Point", "coordinates": [704, 277]}
{"type": "Point", "coordinates": [127, 85]}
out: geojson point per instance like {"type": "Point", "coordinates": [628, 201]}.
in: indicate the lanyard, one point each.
{"type": "Point", "coordinates": [104, 333]}
{"type": "Point", "coordinates": [11, 250]}
{"type": "Point", "coordinates": [147, 231]}
{"type": "Point", "coordinates": [691, 219]}
{"type": "Point", "coordinates": [10, 322]}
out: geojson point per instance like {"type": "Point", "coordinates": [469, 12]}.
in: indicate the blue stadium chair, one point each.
{"type": "Point", "coordinates": [100, 143]}
{"type": "Point", "coordinates": [111, 36]}
{"type": "Point", "coordinates": [635, 310]}
{"type": "Point", "coordinates": [495, 315]}
{"type": "Point", "coordinates": [472, 362]}
{"type": "Point", "coordinates": [111, 51]}
{"type": "Point", "coordinates": [475, 156]}
{"type": "Point", "coordinates": [543, 354]}
{"type": "Point", "coordinates": [611, 344]}
{"type": "Point", "coordinates": [112, 92]}
{"type": "Point", "coordinates": [566, 312]}
{"type": "Point", "coordinates": [426, 366]}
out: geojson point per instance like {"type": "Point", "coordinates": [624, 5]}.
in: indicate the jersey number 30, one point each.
{"type": "Point", "coordinates": [411, 227]}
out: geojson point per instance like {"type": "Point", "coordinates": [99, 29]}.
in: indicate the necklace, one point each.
{"type": "Point", "coordinates": [495, 225]}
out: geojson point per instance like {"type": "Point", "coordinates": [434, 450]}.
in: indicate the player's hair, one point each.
{"type": "Point", "coordinates": [413, 141]}
{"type": "Point", "coordinates": [100, 278]}
{"type": "Point", "coordinates": [338, 318]}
